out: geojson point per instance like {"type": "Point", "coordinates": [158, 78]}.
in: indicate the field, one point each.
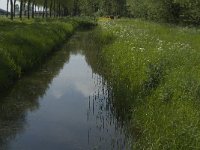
{"type": "Point", "coordinates": [24, 44]}
{"type": "Point", "coordinates": [157, 69]}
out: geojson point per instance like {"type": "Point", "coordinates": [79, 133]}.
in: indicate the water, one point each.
{"type": "Point", "coordinates": [64, 105]}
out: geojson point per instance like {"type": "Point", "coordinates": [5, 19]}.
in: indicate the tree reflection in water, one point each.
{"type": "Point", "coordinates": [24, 96]}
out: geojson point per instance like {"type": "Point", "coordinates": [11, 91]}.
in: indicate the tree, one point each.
{"type": "Point", "coordinates": [11, 9]}
{"type": "Point", "coordinates": [7, 7]}
{"type": "Point", "coordinates": [21, 9]}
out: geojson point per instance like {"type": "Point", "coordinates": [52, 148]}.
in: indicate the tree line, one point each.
{"type": "Point", "coordinates": [29, 8]}
{"type": "Point", "coordinates": [176, 11]}
{"type": "Point", "coordinates": [59, 8]}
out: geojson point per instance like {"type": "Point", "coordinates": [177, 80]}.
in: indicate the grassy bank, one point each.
{"type": "Point", "coordinates": [24, 44]}
{"type": "Point", "coordinates": [157, 69]}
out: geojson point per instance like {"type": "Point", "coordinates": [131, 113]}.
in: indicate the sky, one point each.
{"type": "Point", "coordinates": [3, 4]}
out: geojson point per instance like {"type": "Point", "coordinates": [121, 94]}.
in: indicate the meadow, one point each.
{"type": "Point", "coordinates": [156, 67]}
{"type": "Point", "coordinates": [25, 44]}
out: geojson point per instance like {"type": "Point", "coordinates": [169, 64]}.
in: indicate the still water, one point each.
{"type": "Point", "coordinates": [64, 105]}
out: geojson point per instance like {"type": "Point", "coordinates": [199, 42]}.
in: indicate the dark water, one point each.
{"type": "Point", "coordinates": [65, 105]}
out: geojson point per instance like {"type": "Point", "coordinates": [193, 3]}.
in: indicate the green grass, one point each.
{"type": "Point", "coordinates": [158, 66]}
{"type": "Point", "coordinates": [24, 44]}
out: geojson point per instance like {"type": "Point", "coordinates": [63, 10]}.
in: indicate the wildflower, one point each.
{"type": "Point", "coordinates": [141, 49]}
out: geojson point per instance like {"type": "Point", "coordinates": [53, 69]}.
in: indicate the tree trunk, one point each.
{"type": "Point", "coordinates": [11, 9]}
{"type": "Point", "coordinates": [29, 2]}
{"type": "Point", "coordinates": [14, 8]}
{"type": "Point", "coordinates": [35, 9]}
{"type": "Point", "coordinates": [38, 11]}
{"type": "Point", "coordinates": [7, 7]}
{"type": "Point", "coordinates": [59, 9]}
{"type": "Point", "coordinates": [33, 12]}
{"type": "Point", "coordinates": [46, 12]}
{"type": "Point", "coordinates": [43, 10]}
{"type": "Point", "coordinates": [54, 11]}
{"type": "Point", "coordinates": [51, 5]}
{"type": "Point", "coordinates": [65, 11]}
{"type": "Point", "coordinates": [24, 8]}
{"type": "Point", "coordinates": [21, 9]}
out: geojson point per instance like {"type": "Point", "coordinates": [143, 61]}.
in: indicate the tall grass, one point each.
{"type": "Point", "coordinates": [159, 68]}
{"type": "Point", "coordinates": [24, 44]}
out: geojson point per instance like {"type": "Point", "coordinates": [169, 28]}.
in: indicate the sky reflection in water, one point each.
{"type": "Point", "coordinates": [73, 113]}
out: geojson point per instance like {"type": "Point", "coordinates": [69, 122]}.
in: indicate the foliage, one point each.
{"type": "Point", "coordinates": [157, 66]}
{"type": "Point", "coordinates": [176, 11]}
{"type": "Point", "coordinates": [171, 11]}
{"type": "Point", "coordinates": [23, 45]}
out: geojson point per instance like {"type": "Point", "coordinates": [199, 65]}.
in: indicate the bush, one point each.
{"type": "Point", "coordinates": [173, 11]}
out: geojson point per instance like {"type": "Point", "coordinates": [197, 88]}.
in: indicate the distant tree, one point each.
{"type": "Point", "coordinates": [173, 11]}
{"type": "Point", "coordinates": [11, 9]}
{"type": "Point", "coordinates": [21, 9]}
{"type": "Point", "coordinates": [14, 8]}
{"type": "Point", "coordinates": [7, 7]}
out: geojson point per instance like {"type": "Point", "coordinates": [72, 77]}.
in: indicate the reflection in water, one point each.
{"type": "Point", "coordinates": [108, 131]}
{"type": "Point", "coordinates": [66, 104]}
{"type": "Point", "coordinates": [24, 97]}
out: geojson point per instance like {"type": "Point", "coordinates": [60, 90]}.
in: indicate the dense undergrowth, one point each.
{"type": "Point", "coordinates": [185, 12]}
{"type": "Point", "coordinates": [157, 69]}
{"type": "Point", "coordinates": [24, 44]}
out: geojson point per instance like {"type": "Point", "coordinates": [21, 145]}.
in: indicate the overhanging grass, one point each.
{"type": "Point", "coordinates": [23, 45]}
{"type": "Point", "coordinates": [159, 67]}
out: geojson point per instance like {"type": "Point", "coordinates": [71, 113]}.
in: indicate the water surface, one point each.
{"type": "Point", "coordinates": [64, 105]}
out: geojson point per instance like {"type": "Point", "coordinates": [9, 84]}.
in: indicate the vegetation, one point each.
{"type": "Point", "coordinates": [173, 11]}
{"type": "Point", "coordinates": [25, 44]}
{"type": "Point", "coordinates": [153, 67]}
{"type": "Point", "coordinates": [24, 96]}
{"type": "Point", "coordinates": [156, 69]}
{"type": "Point", "coordinates": [60, 8]}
